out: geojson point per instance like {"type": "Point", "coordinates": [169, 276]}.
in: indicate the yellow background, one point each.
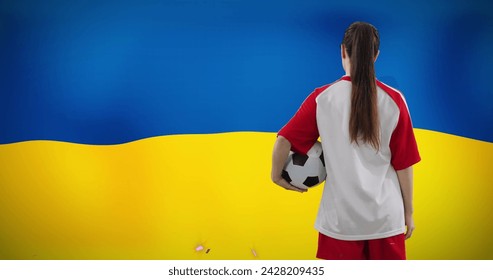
{"type": "Point", "coordinates": [161, 197]}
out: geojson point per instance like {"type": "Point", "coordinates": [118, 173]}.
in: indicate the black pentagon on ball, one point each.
{"type": "Point", "coordinates": [285, 176]}
{"type": "Point", "coordinates": [311, 181]}
{"type": "Point", "coordinates": [322, 159]}
{"type": "Point", "coordinates": [299, 159]}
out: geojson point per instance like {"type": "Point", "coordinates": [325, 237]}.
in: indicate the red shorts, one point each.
{"type": "Point", "coordinates": [390, 248]}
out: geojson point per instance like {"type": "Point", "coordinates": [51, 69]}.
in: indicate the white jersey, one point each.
{"type": "Point", "coordinates": [362, 199]}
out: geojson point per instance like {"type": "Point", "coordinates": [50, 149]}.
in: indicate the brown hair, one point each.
{"type": "Point", "coordinates": [362, 41]}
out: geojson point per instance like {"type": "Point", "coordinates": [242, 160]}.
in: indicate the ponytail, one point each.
{"type": "Point", "coordinates": [361, 41]}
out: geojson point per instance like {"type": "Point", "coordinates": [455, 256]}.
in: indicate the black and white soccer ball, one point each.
{"type": "Point", "coordinates": [305, 171]}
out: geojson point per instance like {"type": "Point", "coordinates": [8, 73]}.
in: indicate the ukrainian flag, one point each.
{"type": "Point", "coordinates": [144, 129]}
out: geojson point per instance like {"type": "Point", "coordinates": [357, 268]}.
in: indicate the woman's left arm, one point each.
{"type": "Point", "coordinates": [279, 157]}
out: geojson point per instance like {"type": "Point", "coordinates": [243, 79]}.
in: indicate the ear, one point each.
{"type": "Point", "coordinates": [343, 51]}
{"type": "Point", "coordinates": [376, 56]}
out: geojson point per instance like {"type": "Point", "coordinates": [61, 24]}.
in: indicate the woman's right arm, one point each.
{"type": "Point", "coordinates": [406, 182]}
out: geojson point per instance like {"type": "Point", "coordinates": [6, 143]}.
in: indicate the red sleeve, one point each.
{"type": "Point", "coordinates": [403, 143]}
{"type": "Point", "coordinates": [302, 131]}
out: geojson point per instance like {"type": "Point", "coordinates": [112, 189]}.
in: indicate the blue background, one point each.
{"type": "Point", "coordinates": [106, 72]}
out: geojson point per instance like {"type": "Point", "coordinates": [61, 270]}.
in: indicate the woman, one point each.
{"type": "Point", "coordinates": [369, 148]}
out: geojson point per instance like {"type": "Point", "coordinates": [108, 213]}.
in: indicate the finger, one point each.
{"type": "Point", "coordinates": [409, 233]}
{"type": "Point", "coordinates": [290, 187]}
{"type": "Point", "coordinates": [293, 188]}
{"type": "Point", "coordinates": [283, 183]}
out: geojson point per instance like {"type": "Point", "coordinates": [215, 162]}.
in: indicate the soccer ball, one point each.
{"type": "Point", "coordinates": [305, 171]}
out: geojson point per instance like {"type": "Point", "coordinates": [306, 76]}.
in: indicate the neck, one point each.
{"type": "Point", "coordinates": [347, 68]}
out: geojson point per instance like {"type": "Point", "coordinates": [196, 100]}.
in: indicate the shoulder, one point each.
{"type": "Point", "coordinates": [394, 94]}
{"type": "Point", "coordinates": [325, 88]}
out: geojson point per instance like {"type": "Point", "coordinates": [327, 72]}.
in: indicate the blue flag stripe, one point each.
{"type": "Point", "coordinates": [108, 72]}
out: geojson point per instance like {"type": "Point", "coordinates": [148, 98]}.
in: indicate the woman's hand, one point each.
{"type": "Point", "coordinates": [409, 220]}
{"type": "Point", "coordinates": [283, 183]}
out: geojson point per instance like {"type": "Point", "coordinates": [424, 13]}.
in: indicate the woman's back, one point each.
{"type": "Point", "coordinates": [359, 173]}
